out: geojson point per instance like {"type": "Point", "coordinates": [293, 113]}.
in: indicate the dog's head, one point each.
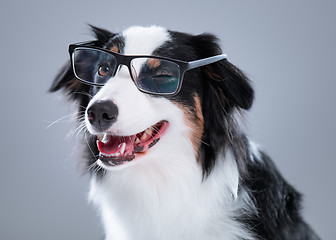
{"type": "Point", "coordinates": [129, 125]}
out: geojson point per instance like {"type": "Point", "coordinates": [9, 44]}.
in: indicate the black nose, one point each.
{"type": "Point", "coordinates": [102, 114]}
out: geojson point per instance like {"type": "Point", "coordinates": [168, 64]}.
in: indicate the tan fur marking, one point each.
{"type": "Point", "coordinates": [198, 129]}
{"type": "Point", "coordinates": [74, 85]}
{"type": "Point", "coordinates": [114, 48]}
{"type": "Point", "coordinates": [193, 118]}
{"type": "Point", "coordinates": [153, 63]}
{"type": "Point", "coordinates": [209, 71]}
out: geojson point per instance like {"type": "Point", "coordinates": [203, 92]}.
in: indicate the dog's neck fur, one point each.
{"type": "Point", "coordinates": [174, 203]}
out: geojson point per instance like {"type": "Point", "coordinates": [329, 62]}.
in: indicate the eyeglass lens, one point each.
{"type": "Point", "coordinates": [93, 65]}
{"type": "Point", "coordinates": [151, 75]}
{"type": "Point", "coordinates": [155, 75]}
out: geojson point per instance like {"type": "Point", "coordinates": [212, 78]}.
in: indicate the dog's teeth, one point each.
{"type": "Point", "coordinates": [137, 140]}
{"type": "Point", "coordinates": [100, 137]}
{"type": "Point", "coordinates": [112, 155]}
{"type": "Point", "coordinates": [149, 131]}
{"type": "Point", "coordinates": [147, 134]}
{"type": "Point", "coordinates": [122, 149]}
{"type": "Point", "coordinates": [105, 138]}
{"type": "Point", "coordinates": [144, 136]}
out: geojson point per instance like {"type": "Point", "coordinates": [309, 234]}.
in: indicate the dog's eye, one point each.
{"type": "Point", "coordinates": [163, 77]}
{"type": "Point", "coordinates": [104, 70]}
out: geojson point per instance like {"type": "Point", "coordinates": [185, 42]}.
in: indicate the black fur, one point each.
{"type": "Point", "coordinates": [224, 91]}
{"type": "Point", "coordinates": [277, 202]}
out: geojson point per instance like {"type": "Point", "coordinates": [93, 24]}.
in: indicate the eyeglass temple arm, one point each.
{"type": "Point", "coordinates": [87, 43]}
{"type": "Point", "coordinates": [206, 61]}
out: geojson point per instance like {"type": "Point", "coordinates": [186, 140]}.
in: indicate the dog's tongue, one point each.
{"type": "Point", "coordinates": [116, 146]}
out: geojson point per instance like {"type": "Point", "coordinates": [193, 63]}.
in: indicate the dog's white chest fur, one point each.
{"type": "Point", "coordinates": [170, 201]}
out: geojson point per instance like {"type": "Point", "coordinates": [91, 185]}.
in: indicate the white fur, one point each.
{"type": "Point", "coordinates": [254, 151]}
{"type": "Point", "coordinates": [144, 40]}
{"type": "Point", "coordinates": [161, 195]}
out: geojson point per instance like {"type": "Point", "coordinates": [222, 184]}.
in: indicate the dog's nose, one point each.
{"type": "Point", "coordinates": [102, 114]}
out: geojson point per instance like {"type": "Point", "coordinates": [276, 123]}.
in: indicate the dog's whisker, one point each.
{"type": "Point", "coordinates": [77, 130]}
{"type": "Point", "coordinates": [88, 144]}
{"type": "Point", "coordinates": [85, 94]}
{"type": "Point", "coordinates": [198, 139]}
{"type": "Point", "coordinates": [205, 143]}
{"type": "Point", "coordinates": [157, 130]}
{"type": "Point", "coordinates": [83, 130]}
{"type": "Point", "coordinates": [72, 132]}
{"type": "Point", "coordinates": [64, 119]}
{"type": "Point", "coordinates": [97, 168]}
{"type": "Point", "coordinates": [94, 167]}
{"type": "Point", "coordinates": [82, 108]}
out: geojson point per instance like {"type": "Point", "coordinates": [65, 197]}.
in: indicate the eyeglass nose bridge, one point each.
{"type": "Point", "coordinates": [123, 60]}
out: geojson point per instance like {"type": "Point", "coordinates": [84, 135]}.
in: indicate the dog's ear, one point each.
{"type": "Point", "coordinates": [225, 89]}
{"type": "Point", "coordinates": [102, 35]}
{"type": "Point", "coordinates": [66, 79]}
{"type": "Point", "coordinates": [230, 83]}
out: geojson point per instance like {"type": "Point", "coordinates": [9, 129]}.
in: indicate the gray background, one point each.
{"type": "Point", "coordinates": [286, 47]}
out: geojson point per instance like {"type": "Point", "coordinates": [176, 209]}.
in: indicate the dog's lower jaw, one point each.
{"type": "Point", "coordinates": [169, 200]}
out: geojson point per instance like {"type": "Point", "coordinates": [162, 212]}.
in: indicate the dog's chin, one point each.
{"type": "Point", "coordinates": [117, 152]}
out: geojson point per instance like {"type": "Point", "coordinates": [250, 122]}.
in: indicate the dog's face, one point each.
{"type": "Point", "coordinates": [129, 127]}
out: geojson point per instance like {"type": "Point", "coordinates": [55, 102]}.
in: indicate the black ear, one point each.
{"type": "Point", "coordinates": [232, 85]}
{"type": "Point", "coordinates": [102, 35]}
{"type": "Point", "coordinates": [225, 89]}
{"type": "Point", "coordinates": [235, 86]}
{"type": "Point", "coordinates": [66, 79]}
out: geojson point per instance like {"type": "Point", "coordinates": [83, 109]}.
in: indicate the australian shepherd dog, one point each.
{"type": "Point", "coordinates": [164, 142]}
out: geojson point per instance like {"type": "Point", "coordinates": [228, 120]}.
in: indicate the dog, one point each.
{"type": "Point", "coordinates": [164, 141]}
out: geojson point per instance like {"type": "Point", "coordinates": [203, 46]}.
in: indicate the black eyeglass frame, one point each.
{"type": "Point", "coordinates": [127, 59]}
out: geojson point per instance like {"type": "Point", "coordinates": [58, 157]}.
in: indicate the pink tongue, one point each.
{"type": "Point", "coordinates": [114, 145]}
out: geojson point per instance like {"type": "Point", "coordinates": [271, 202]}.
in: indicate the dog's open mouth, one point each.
{"type": "Point", "coordinates": [118, 150]}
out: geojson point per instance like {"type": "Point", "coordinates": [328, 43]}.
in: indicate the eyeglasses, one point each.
{"type": "Point", "coordinates": [151, 74]}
